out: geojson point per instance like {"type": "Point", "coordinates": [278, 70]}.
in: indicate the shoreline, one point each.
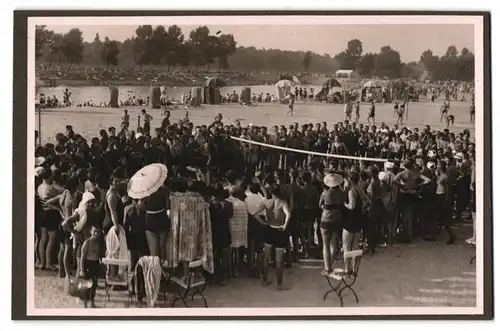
{"type": "Point", "coordinates": [85, 83]}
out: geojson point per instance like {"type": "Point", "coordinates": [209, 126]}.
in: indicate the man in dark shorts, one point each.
{"type": "Point", "coordinates": [371, 113]}
{"type": "Point", "coordinates": [401, 112]}
{"type": "Point", "coordinates": [256, 224]}
{"type": "Point", "coordinates": [275, 233]}
{"type": "Point", "coordinates": [291, 102]}
{"type": "Point", "coordinates": [296, 203]}
{"type": "Point", "coordinates": [450, 120]}
{"type": "Point", "coordinates": [444, 111]}
{"type": "Point", "coordinates": [472, 112]}
{"type": "Point", "coordinates": [472, 240]}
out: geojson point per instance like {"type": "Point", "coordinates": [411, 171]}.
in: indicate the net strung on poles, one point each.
{"type": "Point", "coordinates": [288, 149]}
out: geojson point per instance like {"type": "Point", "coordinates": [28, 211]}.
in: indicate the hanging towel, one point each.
{"type": "Point", "coordinates": [151, 274]}
{"type": "Point", "coordinates": [116, 246]}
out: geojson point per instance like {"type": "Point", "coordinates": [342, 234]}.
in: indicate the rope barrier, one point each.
{"type": "Point", "coordinates": [358, 158]}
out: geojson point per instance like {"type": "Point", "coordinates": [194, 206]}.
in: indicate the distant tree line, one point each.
{"type": "Point", "coordinates": [387, 63]}
{"type": "Point", "coordinates": [168, 47]}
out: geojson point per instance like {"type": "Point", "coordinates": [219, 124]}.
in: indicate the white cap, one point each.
{"type": "Point", "coordinates": [39, 161]}
{"type": "Point", "coordinates": [388, 165]}
{"type": "Point", "coordinates": [381, 175]}
{"type": "Point", "coordinates": [87, 196]}
{"type": "Point", "coordinates": [39, 171]}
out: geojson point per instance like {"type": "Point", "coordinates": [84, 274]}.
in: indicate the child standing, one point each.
{"type": "Point", "coordinates": [90, 267]}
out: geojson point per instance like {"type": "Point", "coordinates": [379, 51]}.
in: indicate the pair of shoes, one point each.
{"type": "Point", "coordinates": [471, 241]}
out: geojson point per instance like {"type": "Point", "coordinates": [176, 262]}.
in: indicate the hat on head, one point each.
{"type": "Point", "coordinates": [87, 196]}
{"type": "Point", "coordinates": [333, 180]}
{"type": "Point", "coordinates": [39, 161]}
{"type": "Point", "coordinates": [459, 156]}
{"type": "Point", "coordinates": [431, 154]}
{"type": "Point", "coordinates": [138, 135]}
{"type": "Point", "coordinates": [388, 165]}
{"type": "Point", "coordinates": [381, 175]}
{"type": "Point", "coordinates": [39, 171]}
{"type": "Point", "coordinates": [431, 165]}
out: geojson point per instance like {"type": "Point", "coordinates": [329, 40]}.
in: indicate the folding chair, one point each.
{"type": "Point", "coordinates": [110, 284]}
{"type": "Point", "coordinates": [195, 284]}
{"type": "Point", "coordinates": [345, 280]}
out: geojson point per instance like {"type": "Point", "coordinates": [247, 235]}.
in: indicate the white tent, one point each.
{"type": "Point", "coordinates": [284, 88]}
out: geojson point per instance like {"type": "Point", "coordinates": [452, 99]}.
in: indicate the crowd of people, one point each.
{"type": "Point", "coordinates": [262, 203]}
{"type": "Point", "coordinates": [104, 75]}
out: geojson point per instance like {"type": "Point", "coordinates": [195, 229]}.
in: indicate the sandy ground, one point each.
{"type": "Point", "coordinates": [417, 274]}
{"type": "Point", "coordinates": [420, 274]}
{"type": "Point", "coordinates": [88, 121]}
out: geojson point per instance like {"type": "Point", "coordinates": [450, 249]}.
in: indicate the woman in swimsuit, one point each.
{"type": "Point", "coordinates": [157, 221]}
{"type": "Point", "coordinates": [67, 202]}
{"type": "Point", "coordinates": [80, 223]}
{"type": "Point", "coordinates": [50, 222]}
{"type": "Point", "coordinates": [353, 220]}
{"type": "Point", "coordinates": [331, 202]}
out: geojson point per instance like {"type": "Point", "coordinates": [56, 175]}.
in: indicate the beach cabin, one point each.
{"type": "Point", "coordinates": [344, 74]}
{"type": "Point", "coordinates": [350, 79]}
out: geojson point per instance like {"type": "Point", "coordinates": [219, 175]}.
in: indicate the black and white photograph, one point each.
{"type": "Point", "coordinates": [256, 165]}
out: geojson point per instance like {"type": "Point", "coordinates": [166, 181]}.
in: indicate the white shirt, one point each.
{"type": "Point", "coordinates": [256, 202]}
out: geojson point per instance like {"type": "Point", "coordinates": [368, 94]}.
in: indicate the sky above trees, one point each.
{"type": "Point", "coordinates": [408, 39]}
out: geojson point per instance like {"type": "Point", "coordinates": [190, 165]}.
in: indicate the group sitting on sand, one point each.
{"type": "Point", "coordinates": [266, 98]}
